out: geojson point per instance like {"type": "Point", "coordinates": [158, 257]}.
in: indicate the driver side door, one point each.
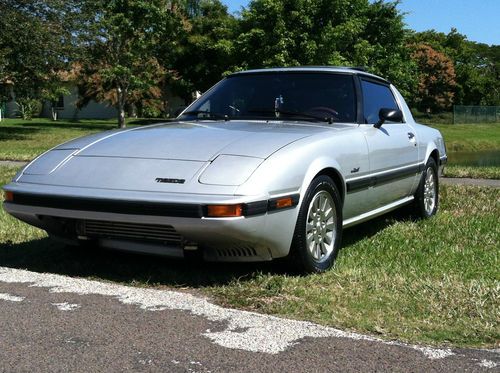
{"type": "Point", "coordinates": [392, 148]}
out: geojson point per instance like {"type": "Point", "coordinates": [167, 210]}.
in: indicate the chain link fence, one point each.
{"type": "Point", "coordinates": [476, 114]}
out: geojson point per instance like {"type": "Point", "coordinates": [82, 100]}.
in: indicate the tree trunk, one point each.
{"type": "Point", "coordinates": [54, 113]}
{"type": "Point", "coordinates": [121, 99]}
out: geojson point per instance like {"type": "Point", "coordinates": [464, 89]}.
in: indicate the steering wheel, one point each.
{"type": "Point", "coordinates": [323, 109]}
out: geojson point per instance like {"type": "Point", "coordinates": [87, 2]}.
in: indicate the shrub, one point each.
{"type": "Point", "coordinates": [28, 107]}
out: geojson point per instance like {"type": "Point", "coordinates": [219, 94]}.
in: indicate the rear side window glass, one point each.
{"type": "Point", "coordinates": [375, 97]}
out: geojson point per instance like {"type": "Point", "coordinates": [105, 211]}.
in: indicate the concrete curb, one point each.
{"type": "Point", "coordinates": [13, 163]}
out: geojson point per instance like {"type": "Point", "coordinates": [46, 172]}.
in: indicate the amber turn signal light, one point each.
{"type": "Point", "coordinates": [8, 196]}
{"type": "Point", "coordinates": [284, 202]}
{"type": "Point", "coordinates": [224, 211]}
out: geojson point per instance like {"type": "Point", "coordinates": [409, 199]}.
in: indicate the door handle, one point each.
{"type": "Point", "coordinates": [411, 135]}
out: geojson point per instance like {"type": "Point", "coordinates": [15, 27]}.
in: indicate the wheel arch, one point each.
{"type": "Point", "coordinates": [324, 166]}
{"type": "Point", "coordinates": [337, 178]}
{"type": "Point", "coordinates": [435, 155]}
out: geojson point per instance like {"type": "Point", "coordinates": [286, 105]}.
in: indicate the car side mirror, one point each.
{"type": "Point", "coordinates": [392, 115]}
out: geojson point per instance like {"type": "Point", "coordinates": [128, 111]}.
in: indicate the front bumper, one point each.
{"type": "Point", "coordinates": [263, 233]}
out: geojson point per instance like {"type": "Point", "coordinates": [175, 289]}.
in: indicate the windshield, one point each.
{"type": "Point", "coordinates": [284, 95]}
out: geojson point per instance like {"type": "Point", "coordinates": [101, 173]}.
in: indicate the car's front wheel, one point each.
{"type": "Point", "coordinates": [318, 231]}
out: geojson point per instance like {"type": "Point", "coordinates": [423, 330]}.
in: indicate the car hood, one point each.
{"type": "Point", "coordinates": [193, 141]}
{"type": "Point", "coordinates": [172, 157]}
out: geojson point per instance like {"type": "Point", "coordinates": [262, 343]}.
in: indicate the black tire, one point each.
{"type": "Point", "coordinates": [421, 209]}
{"type": "Point", "coordinates": [300, 257]}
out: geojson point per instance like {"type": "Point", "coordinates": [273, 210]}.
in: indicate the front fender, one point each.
{"type": "Point", "coordinates": [292, 169]}
{"type": "Point", "coordinates": [318, 166]}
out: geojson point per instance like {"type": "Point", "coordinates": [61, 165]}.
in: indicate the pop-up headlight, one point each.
{"type": "Point", "coordinates": [230, 170]}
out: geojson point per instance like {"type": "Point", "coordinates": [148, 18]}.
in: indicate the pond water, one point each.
{"type": "Point", "coordinates": [481, 158]}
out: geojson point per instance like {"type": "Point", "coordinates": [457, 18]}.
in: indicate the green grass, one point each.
{"type": "Point", "coordinates": [472, 172]}
{"type": "Point", "coordinates": [470, 137]}
{"type": "Point", "coordinates": [435, 281]}
{"type": "Point", "coordinates": [24, 140]}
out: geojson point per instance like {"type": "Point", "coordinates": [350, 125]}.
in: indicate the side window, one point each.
{"type": "Point", "coordinates": [375, 97]}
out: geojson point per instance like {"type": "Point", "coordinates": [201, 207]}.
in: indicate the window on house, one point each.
{"type": "Point", "coordinates": [60, 102]}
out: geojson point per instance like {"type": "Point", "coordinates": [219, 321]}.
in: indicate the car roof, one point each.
{"type": "Point", "coordinates": [329, 69]}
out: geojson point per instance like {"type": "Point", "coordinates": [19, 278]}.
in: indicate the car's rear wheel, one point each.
{"type": "Point", "coordinates": [427, 195]}
{"type": "Point", "coordinates": [318, 231]}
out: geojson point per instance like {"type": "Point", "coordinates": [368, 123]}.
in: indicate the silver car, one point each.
{"type": "Point", "coordinates": [266, 164]}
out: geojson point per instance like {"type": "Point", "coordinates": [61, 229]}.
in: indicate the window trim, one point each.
{"type": "Point", "coordinates": [384, 84]}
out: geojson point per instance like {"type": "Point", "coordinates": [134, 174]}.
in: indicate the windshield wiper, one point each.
{"type": "Point", "coordinates": [278, 111]}
{"type": "Point", "coordinates": [209, 114]}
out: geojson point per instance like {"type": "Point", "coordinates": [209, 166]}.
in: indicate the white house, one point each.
{"type": "Point", "coordinates": [67, 108]}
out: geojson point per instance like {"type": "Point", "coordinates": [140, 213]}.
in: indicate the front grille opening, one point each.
{"type": "Point", "coordinates": [130, 231]}
{"type": "Point", "coordinates": [234, 252]}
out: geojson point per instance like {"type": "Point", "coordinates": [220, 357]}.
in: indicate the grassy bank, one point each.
{"type": "Point", "coordinates": [470, 137]}
{"type": "Point", "coordinates": [472, 172]}
{"type": "Point", "coordinates": [23, 140]}
{"type": "Point", "coordinates": [434, 281]}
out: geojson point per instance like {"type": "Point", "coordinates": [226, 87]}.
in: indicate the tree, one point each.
{"type": "Point", "coordinates": [436, 78]}
{"type": "Point", "coordinates": [206, 49]}
{"type": "Point", "coordinates": [477, 66]}
{"type": "Point", "coordinates": [52, 93]}
{"type": "Point", "coordinates": [299, 32]}
{"type": "Point", "coordinates": [122, 41]}
{"type": "Point", "coordinates": [490, 71]}
{"type": "Point", "coordinates": [326, 32]}
{"type": "Point", "coordinates": [383, 47]}
{"type": "Point", "coordinates": [36, 43]}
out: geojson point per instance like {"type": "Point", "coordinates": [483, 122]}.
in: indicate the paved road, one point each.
{"type": "Point", "coordinates": [495, 183]}
{"type": "Point", "coordinates": [57, 323]}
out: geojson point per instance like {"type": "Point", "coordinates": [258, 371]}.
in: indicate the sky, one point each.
{"type": "Point", "coordinates": [479, 20]}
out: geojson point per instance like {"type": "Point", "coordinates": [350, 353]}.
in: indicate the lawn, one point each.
{"type": "Point", "coordinates": [435, 281]}
{"type": "Point", "coordinates": [470, 137]}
